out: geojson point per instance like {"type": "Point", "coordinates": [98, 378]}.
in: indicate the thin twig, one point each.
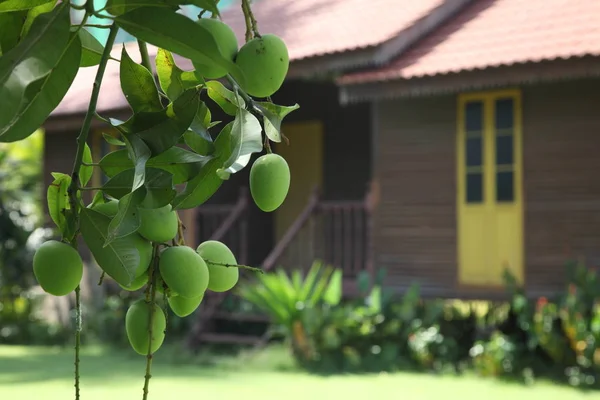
{"type": "Point", "coordinates": [151, 300]}
{"type": "Point", "coordinates": [101, 279]}
{"type": "Point", "coordinates": [249, 16]}
{"type": "Point", "coordinates": [248, 22]}
{"type": "Point", "coordinates": [97, 26]}
{"type": "Point", "coordinates": [144, 53]}
{"type": "Point", "coordinates": [181, 241]}
{"type": "Point", "coordinates": [77, 337]}
{"type": "Point", "coordinates": [235, 266]}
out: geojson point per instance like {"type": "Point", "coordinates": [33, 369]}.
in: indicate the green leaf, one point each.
{"type": "Point", "coordinates": [198, 143]}
{"type": "Point", "coordinates": [246, 138]}
{"type": "Point", "coordinates": [10, 34]}
{"type": "Point", "coordinates": [139, 154]}
{"type": "Point", "coordinates": [91, 49]}
{"type": "Point", "coordinates": [225, 98]}
{"type": "Point", "coordinates": [118, 7]}
{"type": "Point", "coordinates": [98, 199]}
{"type": "Point", "coordinates": [112, 140]}
{"type": "Point", "coordinates": [33, 13]}
{"type": "Point", "coordinates": [201, 188]}
{"type": "Point", "coordinates": [173, 80]}
{"type": "Point", "coordinates": [15, 5]}
{"type": "Point", "coordinates": [138, 85]}
{"type": "Point", "coordinates": [30, 65]}
{"type": "Point", "coordinates": [120, 185]}
{"type": "Point", "coordinates": [208, 5]}
{"type": "Point", "coordinates": [58, 200]}
{"type": "Point", "coordinates": [120, 258]}
{"type": "Point", "coordinates": [127, 220]}
{"type": "Point", "coordinates": [333, 293]}
{"type": "Point", "coordinates": [181, 163]}
{"type": "Point", "coordinates": [162, 130]}
{"type": "Point", "coordinates": [178, 34]}
{"type": "Point", "coordinates": [159, 188]}
{"type": "Point", "coordinates": [86, 171]}
{"type": "Point", "coordinates": [273, 116]}
{"type": "Point", "coordinates": [43, 96]}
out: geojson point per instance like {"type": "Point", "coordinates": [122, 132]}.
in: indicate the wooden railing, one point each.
{"type": "Point", "coordinates": [335, 232]}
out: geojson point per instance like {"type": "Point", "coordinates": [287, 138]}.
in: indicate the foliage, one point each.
{"type": "Point", "coordinates": [522, 338]}
{"type": "Point", "coordinates": [173, 156]}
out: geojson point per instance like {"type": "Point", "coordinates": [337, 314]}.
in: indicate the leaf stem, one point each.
{"type": "Point", "coordinates": [235, 266]}
{"type": "Point", "coordinates": [144, 53]}
{"type": "Point", "coordinates": [85, 128]}
{"type": "Point", "coordinates": [151, 299]}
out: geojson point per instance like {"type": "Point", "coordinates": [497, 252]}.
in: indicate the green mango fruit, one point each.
{"type": "Point", "coordinates": [136, 326]}
{"type": "Point", "coordinates": [184, 271]}
{"type": "Point", "coordinates": [264, 62]}
{"type": "Point", "coordinates": [158, 225]}
{"type": "Point", "coordinates": [269, 181]}
{"type": "Point", "coordinates": [183, 307]}
{"type": "Point", "coordinates": [57, 267]}
{"type": "Point", "coordinates": [221, 278]}
{"type": "Point", "coordinates": [227, 42]}
{"type": "Point", "coordinates": [109, 208]}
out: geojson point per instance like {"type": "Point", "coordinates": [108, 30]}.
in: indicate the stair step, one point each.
{"type": "Point", "coordinates": [228, 338]}
{"type": "Point", "coordinates": [240, 316]}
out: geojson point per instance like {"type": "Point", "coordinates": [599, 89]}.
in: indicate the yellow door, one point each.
{"type": "Point", "coordinates": [305, 158]}
{"type": "Point", "coordinates": [489, 192]}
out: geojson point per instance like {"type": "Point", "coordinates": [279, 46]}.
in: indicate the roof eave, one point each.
{"type": "Point", "coordinates": [456, 82]}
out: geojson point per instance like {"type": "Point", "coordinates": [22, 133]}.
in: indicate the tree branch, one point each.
{"type": "Point", "coordinates": [144, 53]}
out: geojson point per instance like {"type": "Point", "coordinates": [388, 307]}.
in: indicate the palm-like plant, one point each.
{"type": "Point", "coordinates": [289, 299]}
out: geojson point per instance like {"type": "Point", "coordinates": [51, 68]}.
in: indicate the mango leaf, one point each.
{"type": "Point", "coordinates": [112, 140]}
{"type": "Point", "coordinates": [91, 49]}
{"type": "Point", "coordinates": [159, 188]}
{"type": "Point", "coordinates": [225, 98]}
{"type": "Point", "coordinates": [43, 96]}
{"type": "Point", "coordinates": [127, 220]}
{"type": "Point", "coordinates": [173, 80]}
{"type": "Point", "coordinates": [138, 85]}
{"type": "Point", "coordinates": [12, 25]}
{"type": "Point", "coordinates": [15, 5]}
{"type": "Point", "coordinates": [208, 5]}
{"type": "Point", "coordinates": [33, 13]}
{"type": "Point", "coordinates": [120, 258]}
{"type": "Point", "coordinates": [161, 130]}
{"type": "Point", "coordinates": [181, 163]}
{"type": "Point", "coordinates": [178, 34]}
{"type": "Point", "coordinates": [98, 199]}
{"type": "Point", "coordinates": [139, 154]}
{"type": "Point", "coordinates": [58, 200]}
{"type": "Point", "coordinates": [246, 138]}
{"type": "Point", "coordinates": [86, 171]}
{"type": "Point", "coordinates": [201, 188]}
{"type": "Point", "coordinates": [198, 143]}
{"type": "Point", "coordinates": [118, 7]}
{"type": "Point", "coordinates": [273, 116]}
{"type": "Point", "coordinates": [27, 68]}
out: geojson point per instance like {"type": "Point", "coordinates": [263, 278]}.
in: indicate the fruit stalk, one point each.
{"type": "Point", "coordinates": [144, 54]}
{"type": "Point", "coordinates": [150, 298]}
{"type": "Point", "coordinates": [251, 24]}
{"type": "Point", "coordinates": [72, 190]}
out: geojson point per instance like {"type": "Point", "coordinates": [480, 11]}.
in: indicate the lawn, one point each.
{"type": "Point", "coordinates": [28, 373]}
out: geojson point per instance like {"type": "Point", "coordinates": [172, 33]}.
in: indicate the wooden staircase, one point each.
{"type": "Point", "coordinates": [337, 233]}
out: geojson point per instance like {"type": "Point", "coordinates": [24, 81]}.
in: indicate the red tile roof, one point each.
{"type": "Point", "coordinates": [317, 27]}
{"type": "Point", "coordinates": [491, 33]}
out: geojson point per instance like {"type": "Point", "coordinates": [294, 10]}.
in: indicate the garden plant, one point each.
{"type": "Point", "coordinates": [166, 159]}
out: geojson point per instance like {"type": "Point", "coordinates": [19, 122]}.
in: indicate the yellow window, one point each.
{"type": "Point", "coordinates": [489, 191]}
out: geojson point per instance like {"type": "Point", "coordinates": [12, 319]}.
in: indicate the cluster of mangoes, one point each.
{"type": "Point", "coordinates": [264, 60]}
{"type": "Point", "coordinates": [183, 274]}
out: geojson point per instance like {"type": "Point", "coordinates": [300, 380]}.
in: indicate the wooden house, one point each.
{"type": "Point", "coordinates": [447, 140]}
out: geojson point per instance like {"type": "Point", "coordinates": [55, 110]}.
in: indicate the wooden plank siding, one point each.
{"type": "Point", "coordinates": [415, 170]}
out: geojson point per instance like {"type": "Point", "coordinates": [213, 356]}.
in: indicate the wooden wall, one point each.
{"type": "Point", "coordinates": [415, 167]}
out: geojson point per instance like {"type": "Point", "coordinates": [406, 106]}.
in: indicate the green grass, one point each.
{"type": "Point", "coordinates": [28, 373]}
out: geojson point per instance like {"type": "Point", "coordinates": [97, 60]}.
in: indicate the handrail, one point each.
{"type": "Point", "coordinates": [236, 212]}
{"type": "Point", "coordinates": [292, 231]}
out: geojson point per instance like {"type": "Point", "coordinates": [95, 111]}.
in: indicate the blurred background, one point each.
{"type": "Point", "coordinates": [442, 225]}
